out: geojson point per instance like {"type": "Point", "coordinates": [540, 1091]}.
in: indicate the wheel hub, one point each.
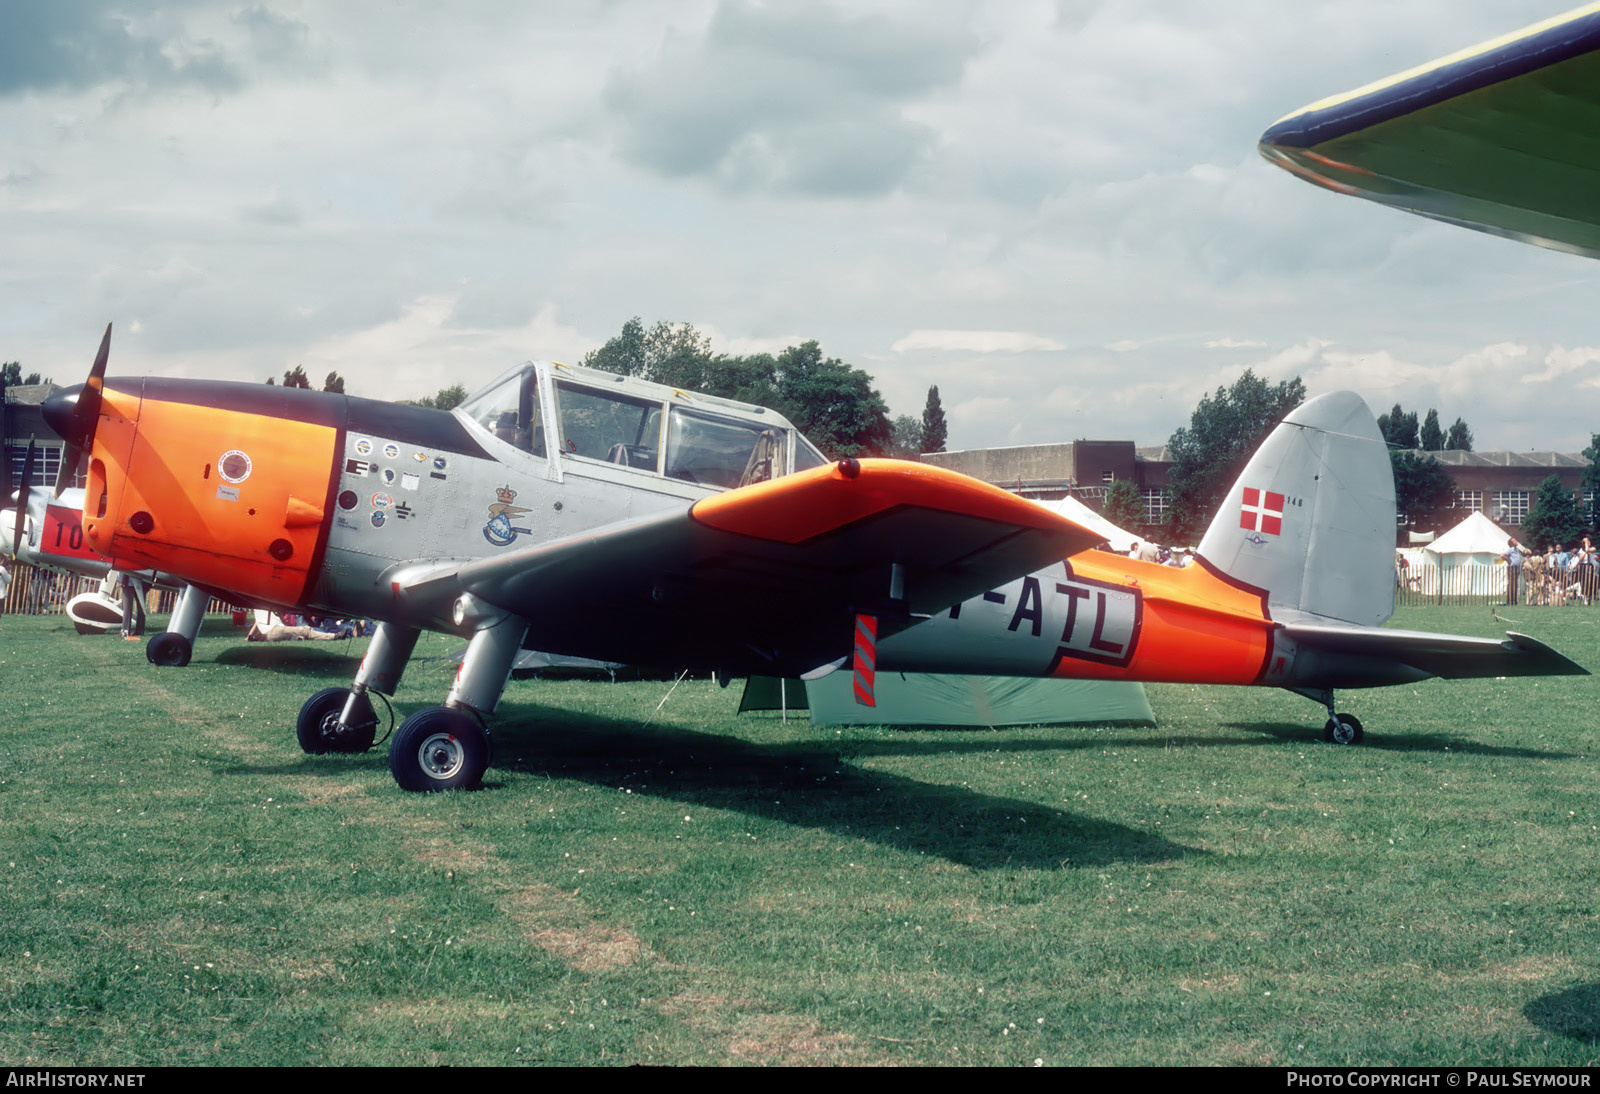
{"type": "Point", "coordinates": [441, 755]}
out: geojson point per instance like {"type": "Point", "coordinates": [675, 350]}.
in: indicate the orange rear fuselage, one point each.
{"type": "Point", "coordinates": [1099, 616]}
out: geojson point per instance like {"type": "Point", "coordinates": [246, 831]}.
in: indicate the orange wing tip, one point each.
{"type": "Point", "coordinates": [810, 503]}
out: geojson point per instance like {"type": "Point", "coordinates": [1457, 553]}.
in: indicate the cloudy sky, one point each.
{"type": "Point", "coordinates": [1054, 211]}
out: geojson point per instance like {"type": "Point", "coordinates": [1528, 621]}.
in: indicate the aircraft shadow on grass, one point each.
{"type": "Point", "coordinates": [815, 785]}
{"type": "Point", "coordinates": [811, 785]}
{"type": "Point", "coordinates": [1573, 1013]}
{"type": "Point", "coordinates": [1291, 732]}
{"type": "Point", "coordinates": [336, 660]}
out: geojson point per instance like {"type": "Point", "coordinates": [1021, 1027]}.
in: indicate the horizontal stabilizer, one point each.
{"type": "Point", "coordinates": [1328, 655]}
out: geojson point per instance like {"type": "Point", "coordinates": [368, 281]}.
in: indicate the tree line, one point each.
{"type": "Point", "coordinates": [833, 404]}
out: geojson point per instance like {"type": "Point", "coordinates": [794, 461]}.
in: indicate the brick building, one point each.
{"type": "Point", "coordinates": [1501, 485]}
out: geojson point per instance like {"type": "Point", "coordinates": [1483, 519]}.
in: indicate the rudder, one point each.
{"type": "Point", "coordinates": [1312, 518]}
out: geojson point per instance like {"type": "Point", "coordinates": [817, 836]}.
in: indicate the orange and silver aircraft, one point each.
{"type": "Point", "coordinates": [580, 512]}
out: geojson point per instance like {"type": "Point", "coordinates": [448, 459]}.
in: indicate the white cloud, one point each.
{"type": "Point", "coordinates": [975, 341]}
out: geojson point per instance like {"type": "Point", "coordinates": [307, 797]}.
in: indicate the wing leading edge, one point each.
{"type": "Point", "coordinates": [1503, 137]}
{"type": "Point", "coordinates": [766, 578]}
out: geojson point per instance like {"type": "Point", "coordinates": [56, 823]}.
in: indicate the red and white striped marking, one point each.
{"type": "Point", "coordinates": [866, 658]}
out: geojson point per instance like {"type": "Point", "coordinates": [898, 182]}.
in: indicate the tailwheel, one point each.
{"type": "Point", "coordinates": [168, 648]}
{"type": "Point", "coordinates": [318, 728]}
{"type": "Point", "coordinates": [1343, 729]}
{"type": "Point", "coordinates": [439, 748]}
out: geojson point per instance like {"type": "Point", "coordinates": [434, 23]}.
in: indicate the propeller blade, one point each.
{"type": "Point", "coordinates": [22, 501]}
{"type": "Point", "coordinates": [71, 457]}
{"type": "Point", "coordinates": [78, 428]}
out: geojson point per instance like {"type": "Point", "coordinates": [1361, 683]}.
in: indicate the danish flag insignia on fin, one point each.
{"type": "Point", "coordinates": [1261, 511]}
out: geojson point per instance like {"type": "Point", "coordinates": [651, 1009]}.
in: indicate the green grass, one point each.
{"type": "Point", "coordinates": [181, 885]}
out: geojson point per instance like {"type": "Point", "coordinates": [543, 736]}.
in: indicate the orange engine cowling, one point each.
{"type": "Point", "coordinates": [222, 486]}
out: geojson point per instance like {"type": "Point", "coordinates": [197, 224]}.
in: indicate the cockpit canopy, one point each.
{"type": "Point", "coordinates": [586, 414]}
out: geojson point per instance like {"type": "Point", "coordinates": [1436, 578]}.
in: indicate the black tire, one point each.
{"type": "Point", "coordinates": [168, 649]}
{"type": "Point", "coordinates": [439, 749]}
{"type": "Point", "coordinates": [317, 728]}
{"type": "Point", "coordinates": [1343, 729]}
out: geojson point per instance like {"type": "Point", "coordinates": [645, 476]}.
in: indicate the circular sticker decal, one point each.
{"type": "Point", "coordinates": [439, 463]}
{"type": "Point", "coordinates": [388, 476]}
{"type": "Point", "coordinates": [234, 466]}
{"type": "Point", "coordinates": [377, 519]}
{"type": "Point", "coordinates": [420, 457]}
{"type": "Point", "coordinates": [363, 447]}
{"type": "Point", "coordinates": [348, 500]}
{"type": "Point", "coordinates": [391, 450]}
{"type": "Point", "coordinates": [381, 500]}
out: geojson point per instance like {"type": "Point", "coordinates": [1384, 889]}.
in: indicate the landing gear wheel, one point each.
{"type": "Point", "coordinates": [1343, 729]}
{"type": "Point", "coordinates": [439, 748]}
{"type": "Point", "coordinates": [318, 729]}
{"type": "Point", "coordinates": [168, 648]}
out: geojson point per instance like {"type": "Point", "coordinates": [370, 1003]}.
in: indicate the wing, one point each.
{"type": "Point", "coordinates": [1353, 657]}
{"type": "Point", "coordinates": [766, 578]}
{"type": "Point", "coordinates": [1503, 137]}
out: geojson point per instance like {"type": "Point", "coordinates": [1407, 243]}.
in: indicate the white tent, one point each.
{"type": "Point", "coordinates": [922, 699]}
{"type": "Point", "coordinates": [1465, 561]}
{"type": "Point", "coordinates": [1074, 510]}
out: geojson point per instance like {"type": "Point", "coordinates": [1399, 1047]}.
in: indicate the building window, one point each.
{"type": "Point", "coordinates": [1468, 499]}
{"type": "Point", "coordinates": [1108, 477]}
{"type": "Point", "coordinates": [1155, 505]}
{"type": "Point", "coordinates": [1511, 506]}
{"type": "Point", "coordinates": [46, 464]}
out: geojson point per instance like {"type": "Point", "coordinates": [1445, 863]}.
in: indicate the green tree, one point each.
{"type": "Point", "coordinates": [1555, 517]}
{"type": "Point", "coordinates": [1399, 428]}
{"type": "Point", "coordinates": [334, 382]}
{"type": "Point", "coordinates": [296, 377]}
{"type": "Point", "coordinates": [448, 398]}
{"type": "Point", "coordinates": [1591, 477]}
{"type": "Point", "coordinates": [1124, 505]}
{"type": "Point", "coordinates": [934, 430]}
{"type": "Point", "coordinates": [906, 443]}
{"type": "Point", "coordinates": [1458, 438]}
{"type": "Point", "coordinates": [1423, 490]}
{"type": "Point", "coordinates": [11, 375]}
{"type": "Point", "coordinates": [1212, 450]}
{"type": "Point", "coordinates": [668, 353]}
{"type": "Point", "coordinates": [1432, 436]}
{"type": "Point", "coordinates": [831, 403]}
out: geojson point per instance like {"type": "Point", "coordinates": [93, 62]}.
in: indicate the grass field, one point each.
{"type": "Point", "coordinates": [181, 885]}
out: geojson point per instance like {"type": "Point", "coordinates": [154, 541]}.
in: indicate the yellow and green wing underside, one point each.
{"type": "Point", "coordinates": [1503, 137]}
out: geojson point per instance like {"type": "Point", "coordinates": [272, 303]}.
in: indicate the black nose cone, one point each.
{"type": "Point", "coordinates": [59, 411]}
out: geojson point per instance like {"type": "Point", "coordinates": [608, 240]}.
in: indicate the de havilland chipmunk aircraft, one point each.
{"type": "Point", "coordinates": [586, 513]}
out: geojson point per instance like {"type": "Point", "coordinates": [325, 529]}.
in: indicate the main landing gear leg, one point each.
{"type": "Point", "coordinates": [175, 645]}
{"type": "Point", "coordinates": [342, 719]}
{"type": "Point", "coordinates": [447, 748]}
{"type": "Point", "coordinates": [1341, 729]}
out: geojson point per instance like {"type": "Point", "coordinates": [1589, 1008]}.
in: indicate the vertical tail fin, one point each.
{"type": "Point", "coordinates": [1311, 520]}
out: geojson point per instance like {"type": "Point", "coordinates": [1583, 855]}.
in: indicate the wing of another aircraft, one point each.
{"type": "Point", "coordinates": [1503, 137]}
{"type": "Point", "coordinates": [768, 577]}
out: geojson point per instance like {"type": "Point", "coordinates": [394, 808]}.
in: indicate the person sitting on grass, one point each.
{"type": "Point", "coordinates": [269, 627]}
